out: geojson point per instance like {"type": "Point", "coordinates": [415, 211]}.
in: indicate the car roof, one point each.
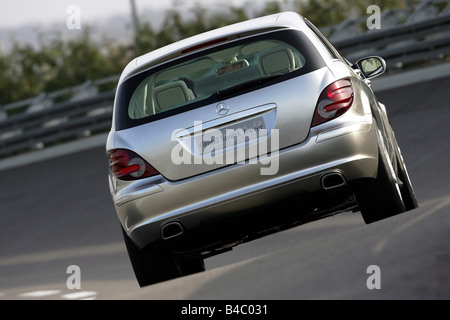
{"type": "Point", "coordinates": [238, 30]}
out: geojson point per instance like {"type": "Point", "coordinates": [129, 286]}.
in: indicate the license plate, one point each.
{"type": "Point", "coordinates": [231, 136]}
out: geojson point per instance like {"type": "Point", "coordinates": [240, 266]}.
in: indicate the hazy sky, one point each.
{"type": "Point", "coordinates": [14, 13]}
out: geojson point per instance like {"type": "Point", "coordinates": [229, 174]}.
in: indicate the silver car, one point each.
{"type": "Point", "coordinates": [243, 131]}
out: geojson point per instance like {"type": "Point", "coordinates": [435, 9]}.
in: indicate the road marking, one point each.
{"type": "Point", "coordinates": [39, 293]}
{"type": "Point", "coordinates": [85, 295]}
{"type": "Point", "coordinates": [63, 254]}
{"type": "Point", "coordinates": [443, 203]}
{"type": "Point", "coordinates": [78, 295]}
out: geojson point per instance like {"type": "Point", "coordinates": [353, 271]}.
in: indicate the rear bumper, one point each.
{"type": "Point", "coordinates": [144, 206]}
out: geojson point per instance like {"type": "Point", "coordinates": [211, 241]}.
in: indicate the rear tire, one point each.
{"type": "Point", "coordinates": [156, 263]}
{"type": "Point", "coordinates": [380, 198]}
{"type": "Point", "coordinates": [409, 197]}
{"type": "Point", "coordinates": [151, 264]}
{"type": "Point", "coordinates": [190, 265]}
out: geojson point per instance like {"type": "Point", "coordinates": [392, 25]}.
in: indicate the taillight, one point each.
{"type": "Point", "coordinates": [334, 100]}
{"type": "Point", "coordinates": [127, 165]}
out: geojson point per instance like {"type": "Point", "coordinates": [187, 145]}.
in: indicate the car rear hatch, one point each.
{"type": "Point", "coordinates": [234, 130]}
{"type": "Point", "coordinates": [237, 103]}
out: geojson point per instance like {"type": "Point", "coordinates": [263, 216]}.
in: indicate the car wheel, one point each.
{"type": "Point", "coordinates": [190, 265]}
{"type": "Point", "coordinates": [409, 197]}
{"type": "Point", "coordinates": [152, 264]}
{"type": "Point", "coordinates": [382, 197]}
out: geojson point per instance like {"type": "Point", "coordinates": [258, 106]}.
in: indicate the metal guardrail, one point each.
{"type": "Point", "coordinates": [425, 40]}
{"type": "Point", "coordinates": [84, 110]}
{"type": "Point", "coordinates": [61, 122]}
{"type": "Point", "coordinates": [43, 122]}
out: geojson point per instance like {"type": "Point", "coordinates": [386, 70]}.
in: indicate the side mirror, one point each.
{"type": "Point", "coordinates": [371, 67]}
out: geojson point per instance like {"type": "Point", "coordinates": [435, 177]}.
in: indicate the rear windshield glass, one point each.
{"type": "Point", "coordinates": [214, 74]}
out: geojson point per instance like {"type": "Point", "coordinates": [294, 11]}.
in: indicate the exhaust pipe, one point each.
{"type": "Point", "coordinates": [171, 230]}
{"type": "Point", "coordinates": [333, 181]}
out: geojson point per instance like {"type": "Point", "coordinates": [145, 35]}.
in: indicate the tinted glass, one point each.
{"type": "Point", "coordinates": [199, 79]}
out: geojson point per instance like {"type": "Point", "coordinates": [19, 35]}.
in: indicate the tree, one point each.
{"type": "Point", "coordinates": [323, 13]}
{"type": "Point", "coordinates": [360, 6]}
{"type": "Point", "coordinates": [27, 71]}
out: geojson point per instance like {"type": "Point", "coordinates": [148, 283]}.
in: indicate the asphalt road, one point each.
{"type": "Point", "coordinates": [58, 213]}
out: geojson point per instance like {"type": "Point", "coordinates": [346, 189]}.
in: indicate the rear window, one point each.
{"type": "Point", "coordinates": [207, 77]}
